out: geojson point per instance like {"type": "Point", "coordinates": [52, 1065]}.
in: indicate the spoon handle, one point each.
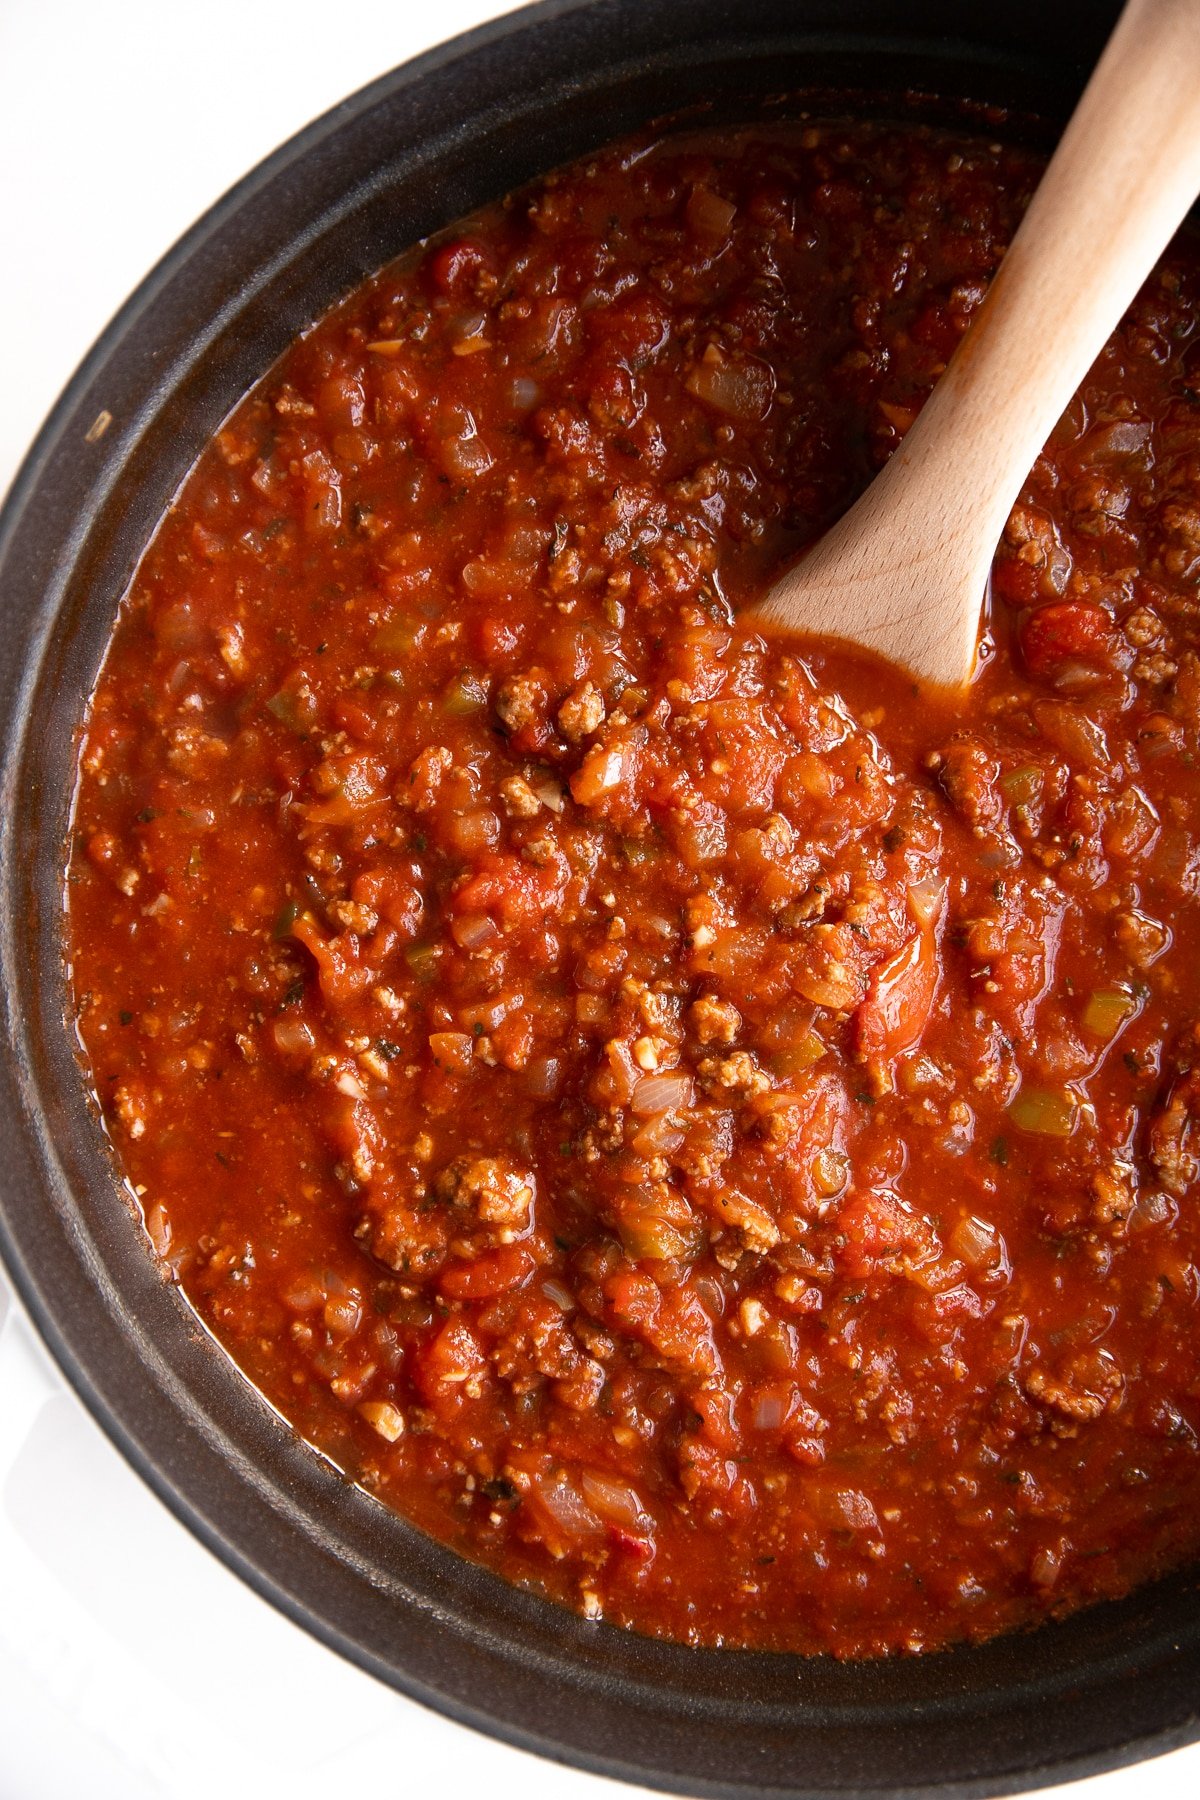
{"type": "Point", "coordinates": [1124, 175]}
{"type": "Point", "coordinates": [916, 549]}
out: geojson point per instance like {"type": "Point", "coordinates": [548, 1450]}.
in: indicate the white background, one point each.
{"type": "Point", "coordinates": [131, 1663]}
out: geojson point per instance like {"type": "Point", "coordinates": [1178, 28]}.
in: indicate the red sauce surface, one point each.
{"type": "Point", "coordinates": [697, 1126]}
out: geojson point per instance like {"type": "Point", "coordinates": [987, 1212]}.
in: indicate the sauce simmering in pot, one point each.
{"type": "Point", "coordinates": [690, 1121]}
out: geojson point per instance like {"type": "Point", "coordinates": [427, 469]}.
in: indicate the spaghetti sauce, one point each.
{"type": "Point", "coordinates": [692, 1122]}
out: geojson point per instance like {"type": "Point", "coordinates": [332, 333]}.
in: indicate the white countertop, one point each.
{"type": "Point", "coordinates": [133, 1666]}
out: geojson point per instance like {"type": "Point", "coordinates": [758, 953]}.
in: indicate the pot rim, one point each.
{"type": "Point", "coordinates": [70, 1345]}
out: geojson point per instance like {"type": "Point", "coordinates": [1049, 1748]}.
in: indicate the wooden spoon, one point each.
{"type": "Point", "coordinates": [905, 571]}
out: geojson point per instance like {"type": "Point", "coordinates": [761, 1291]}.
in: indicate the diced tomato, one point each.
{"type": "Point", "coordinates": [874, 1226]}
{"type": "Point", "coordinates": [450, 1364]}
{"type": "Point", "coordinates": [342, 975]}
{"type": "Point", "coordinates": [455, 267]}
{"type": "Point", "coordinates": [899, 998]}
{"type": "Point", "coordinates": [391, 894]}
{"type": "Point", "coordinates": [496, 1272]}
{"type": "Point", "coordinates": [1015, 582]}
{"type": "Point", "coordinates": [512, 890]}
{"type": "Point", "coordinates": [935, 327]}
{"type": "Point", "coordinates": [1069, 631]}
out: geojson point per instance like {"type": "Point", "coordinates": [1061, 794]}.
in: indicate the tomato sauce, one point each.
{"type": "Point", "coordinates": [694, 1123]}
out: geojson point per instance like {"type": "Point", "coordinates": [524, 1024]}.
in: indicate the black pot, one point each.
{"type": "Point", "coordinates": [437, 137]}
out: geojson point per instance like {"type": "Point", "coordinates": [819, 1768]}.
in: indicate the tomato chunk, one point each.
{"type": "Point", "coordinates": [1069, 632]}
{"type": "Point", "coordinates": [899, 999]}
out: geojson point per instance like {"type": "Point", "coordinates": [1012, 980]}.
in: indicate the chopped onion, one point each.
{"type": "Point", "coordinates": [1154, 1208]}
{"type": "Point", "coordinates": [710, 1294]}
{"type": "Point", "coordinates": [978, 1243]}
{"type": "Point", "coordinates": [473, 830]}
{"type": "Point", "coordinates": [659, 1136]}
{"type": "Point", "coordinates": [525, 393]}
{"type": "Point", "coordinates": [452, 1050]}
{"type": "Point", "coordinates": [1000, 856]}
{"type": "Point", "coordinates": [709, 215]}
{"type": "Point", "coordinates": [770, 1411]}
{"type": "Point", "coordinates": [384, 1418]}
{"type": "Point", "coordinates": [543, 1076]}
{"type": "Point", "coordinates": [463, 452]}
{"type": "Point", "coordinates": [926, 899]}
{"type": "Point", "coordinates": [305, 1293]}
{"type": "Point", "coordinates": [1068, 728]}
{"type": "Point", "coordinates": [486, 1015]}
{"type": "Point", "coordinates": [743, 387]}
{"type": "Point", "coordinates": [615, 1501]}
{"type": "Point", "coordinates": [566, 1506]}
{"type": "Point", "coordinates": [1124, 437]}
{"type": "Point", "coordinates": [561, 1296]}
{"type": "Point", "coordinates": [343, 1315]}
{"type": "Point", "coordinates": [474, 930]}
{"type": "Point", "coordinates": [549, 793]}
{"type": "Point", "coordinates": [293, 1036]}
{"type": "Point", "coordinates": [158, 1228]}
{"type": "Point", "coordinates": [625, 1072]}
{"type": "Point", "coordinates": [469, 324]}
{"type": "Point", "coordinates": [601, 771]}
{"type": "Point", "coordinates": [662, 1093]}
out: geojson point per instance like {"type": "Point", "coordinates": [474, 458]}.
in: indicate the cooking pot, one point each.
{"type": "Point", "coordinates": [429, 141]}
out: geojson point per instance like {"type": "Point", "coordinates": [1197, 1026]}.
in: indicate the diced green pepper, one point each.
{"type": "Point", "coordinates": [398, 637]}
{"type": "Point", "coordinates": [283, 705]}
{"type": "Point", "coordinates": [640, 850]}
{"type": "Point", "coordinates": [466, 694]}
{"type": "Point", "coordinates": [799, 1057]}
{"type": "Point", "coordinates": [289, 912]}
{"type": "Point", "coordinates": [1049, 1112]}
{"type": "Point", "coordinates": [1107, 1011]}
{"type": "Point", "coordinates": [647, 1234]}
{"type": "Point", "coordinates": [295, 704]}
{"type": "Point", "coordinates": [422, 959]}
{"type": "Point", "coordinates": [1023, 785]}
